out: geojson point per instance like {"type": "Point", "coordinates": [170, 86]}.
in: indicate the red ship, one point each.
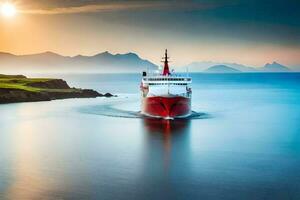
{"type": "Point", "coordinates": [165, 94]}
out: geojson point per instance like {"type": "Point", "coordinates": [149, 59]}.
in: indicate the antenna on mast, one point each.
{"type": "Point", "coordinates": [166, 70]}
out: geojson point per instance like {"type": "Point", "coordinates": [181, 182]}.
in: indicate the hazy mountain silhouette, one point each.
{"type": "Point", "coordinates": [204, 65]}
{"type": "Point", "coordinates": [275, 67]}
{"type": "Point", "coordinates": [221, 69]}
{"type": "Point", "coordinates": [112, 63]}
{"type": "Point", "coordinates": [52, 62]}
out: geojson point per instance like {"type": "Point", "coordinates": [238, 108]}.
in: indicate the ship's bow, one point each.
{"type": "Point", "coordinates": [167, 107]}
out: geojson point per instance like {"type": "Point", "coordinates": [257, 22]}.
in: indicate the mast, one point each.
{"type": "Point", "coordinates": [166, 70]}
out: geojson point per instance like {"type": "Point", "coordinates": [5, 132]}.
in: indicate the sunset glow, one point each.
{"type": "Point", "coordinates": [8, 10]}
{"type": "Point", "coordinates": [213, 30]}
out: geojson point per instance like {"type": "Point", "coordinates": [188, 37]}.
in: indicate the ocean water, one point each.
{"type": "Point", "coordinates": [245, 144]}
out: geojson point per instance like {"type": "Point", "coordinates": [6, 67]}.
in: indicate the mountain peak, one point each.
{"type": "Point", "coordinates": [131, 54]}
{"type": "Point", "coordinates": [273, 63]}
{"type": "Point", "coordinates": [275, 67]}
{"type": "Point", "coordinates": [221, 69]}
{"type": "Point", "coordinates": [128, 55]}
{"type": "Point", "coordinates": [50, 53]}
{"type": "Point", "coordinates": [105, 53]}
{"type": "Point", "coordinates": [44, 54]}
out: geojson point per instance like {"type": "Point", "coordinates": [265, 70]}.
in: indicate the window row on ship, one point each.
{"type": "Point", "coordinates": [167, 84]}
{"type": "Point", "coordinates": [167, 79]}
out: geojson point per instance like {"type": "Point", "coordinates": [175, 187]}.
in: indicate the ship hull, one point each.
{"type": "Point", "coordinates": [166, 107]}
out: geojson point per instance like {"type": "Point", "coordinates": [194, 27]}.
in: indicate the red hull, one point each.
{"type": "Point", "coordinates": [167, 106]}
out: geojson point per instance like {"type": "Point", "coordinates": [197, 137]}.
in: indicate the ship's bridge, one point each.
{"type": "Point", "coordinates": [166, 85]}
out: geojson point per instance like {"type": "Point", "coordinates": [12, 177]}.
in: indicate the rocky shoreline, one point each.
{"type": "Point", "coordinates": [19, 88]}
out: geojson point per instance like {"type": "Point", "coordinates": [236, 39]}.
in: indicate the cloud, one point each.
{"type": "Point", "coordinates": [48, 7]}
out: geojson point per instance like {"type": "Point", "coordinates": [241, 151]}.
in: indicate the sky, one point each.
{"type": "Point", "coordinates": [250, 32]}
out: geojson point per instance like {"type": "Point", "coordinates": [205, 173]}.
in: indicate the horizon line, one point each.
{"type": "Point", "coordinates": [130, 52]}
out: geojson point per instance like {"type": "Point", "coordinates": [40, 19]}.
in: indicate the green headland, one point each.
{"type": "Point", "coordinates": [19, 88]}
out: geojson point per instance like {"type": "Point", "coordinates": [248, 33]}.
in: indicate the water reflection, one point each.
{"type": "Point", "coordinates": [166, 127]}
{"type": "Point", "coordinates": [26, 165]}
{"type": "Point", "coordinates": [167, 139]}
{"type": "Point", "coordinates": [31, 170]}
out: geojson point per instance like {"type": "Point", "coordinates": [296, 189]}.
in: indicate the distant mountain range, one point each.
{"type": "Point", "coordinates": [113, 63]}
{"type": "Point", "coordinates": [234, 67]}
{"type": "Point", "coordinates": [221, 69]}
{"type": "Point", "coordinates": [52, 62]}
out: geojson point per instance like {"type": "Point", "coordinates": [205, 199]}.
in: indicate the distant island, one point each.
{"type": "Point", "coordinates": [275, 67]}
{"type": "Point", "coordinates": [19, 88]}
{"type": "Point", "coordinates": [221, 69]}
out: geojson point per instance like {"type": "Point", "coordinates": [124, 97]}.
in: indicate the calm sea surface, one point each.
{"type": "Point", "coordinates": [247, 145]}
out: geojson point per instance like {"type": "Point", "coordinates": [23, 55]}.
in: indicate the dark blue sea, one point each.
{"type": "Point", "coordinates": [243, 144]}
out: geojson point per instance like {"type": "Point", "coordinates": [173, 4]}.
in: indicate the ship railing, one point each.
{"type": "Point", "coordinates": [186, 94]}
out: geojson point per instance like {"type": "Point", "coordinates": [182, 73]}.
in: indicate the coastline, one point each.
{"type": "Point", "coordinates": [19, 88]}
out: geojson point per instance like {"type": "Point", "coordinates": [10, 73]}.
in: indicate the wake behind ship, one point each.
{"type": "Point", "coordinates": [165, 94]}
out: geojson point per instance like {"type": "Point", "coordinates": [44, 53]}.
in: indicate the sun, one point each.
{"type": "Point", "coordinates": [8, 10]}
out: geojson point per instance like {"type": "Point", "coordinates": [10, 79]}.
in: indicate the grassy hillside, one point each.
{"type": "Point", "coordinates": [22, 89]}
{"type": "Point", "coordinates": [22, 83]}
{"type": "Point", "coordinates": [12, 76]}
